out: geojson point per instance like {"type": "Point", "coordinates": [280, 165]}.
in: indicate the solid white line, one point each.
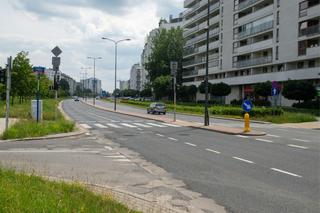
{"type": "Point", "coordinates": [242, 136]}
{"type": "Point", "coordinates": [264, 140]}
{"type": "Point", "coordinates": [101, 126]}
{"type": "Point", "coordinates": [301, 140]}
{"type": "Point", "coordinates": [190, 144]}
{"type": "Point", "coordinates": [285, 172]}
{"type": "Point", "coordinates": [157, 125]}
{"type": "Point", "coordinates": [274, 136]}
{"type": "Point", "coordinates": [244, 160]}
{"type": "Point", "coordinates": [114, 126]}
{"type": "Point", "coordinates": [108, 148]}
{"type": "Point", "coordinates": [172, 125]}
{"type": "Point", "coordinates": [159, 135]}
{"type": "Point", "coordinates": [128, 125]}
{"type": "Point", "coordinates": [173, 139]}
{"type": "Point", "coordinates": [46, 151]}
{"type": "Point", "coordinates": [142, 125]}
{"type": "Point", "coordinates": [214, 151]}
{"type": "Point", "coordinates": [86, 126]}
{"type": "Point", "coordinates": [296, 146]}
{"type": "Point", "coordinates": [122, 160]}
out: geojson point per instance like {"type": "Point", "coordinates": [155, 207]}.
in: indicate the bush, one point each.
{"type": "Point", "coordinates": [307, 105]}
{"type": "Point", "coordinates": [236, 102]}
{"type": "Point", "coordinates": [262, 103]}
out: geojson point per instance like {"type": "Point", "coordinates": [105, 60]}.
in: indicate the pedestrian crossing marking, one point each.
{"type": "Point", "coordinates": [101, 126]}
{"type": "Point", "coordinates": [171, 125]}
{"type": "Point", "coordinates": [157, 125]}
{"type": "Point", "coordinates": [114, 126]}
{"type": "Point", "coordinates": [128, 125]}
{"type": "Point", "coordinates": [86, 126]}
{"type": "Point", "coordinates": [142, 125]}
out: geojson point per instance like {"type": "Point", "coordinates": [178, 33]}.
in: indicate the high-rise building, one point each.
{"type": "Point", "coordinates": [89, 84]}
{"type": "Point", "coordinates": [252, 41]}
{"type": "Point", "coordinates": [135, 77]}
{"type": "Point", "coordinates": [124, 85]}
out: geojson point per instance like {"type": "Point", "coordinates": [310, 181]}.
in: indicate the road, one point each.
{"type": "Point", "coordinates": [278, 172]}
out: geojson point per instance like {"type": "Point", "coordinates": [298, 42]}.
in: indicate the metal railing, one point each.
{"type": "Point", "coordinates": [253, 62]}
{"type": "Point", "coordinates": [310, 31]}
{"type": "Point", "coordinates": [246, 4]}
{"type": "Point", "coordinates": [257, 29]}
{"type": "Point", "coordinates": [190, 73]}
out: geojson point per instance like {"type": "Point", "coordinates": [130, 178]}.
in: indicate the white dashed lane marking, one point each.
{"type": "Point", "coordinates": [274, 136]}
{"type": "Point", "coordinates": [122, 160]}
{"type": "Point", "coordinates": [285, 172]}
{"type": "Point", "coordinates": [101, 126]}
{"type": "Point", "coordinates": [299, 147]}
{"type": "Point", "coordinates": [173, 139]}
{"type": "Point", "coordinates": [264, 140]}
{"type": "Point", "coordinates": [86, 126]}
{"type": "Point", "coordinates": [108, 148]}
{"type": "Point", "coordinates": [301, 140]}
{"type": "Point", "coordinates": [243, 160]}
{"type": "Point", "coordinates": [190, 144]}
{"type": "Point", "coordinates": [115, 156]}
{"type": "Point", "coordinates": [242, 136]}
{"type": "Point", "coordinates": [214, 151]}
{"type": "Point", "coordinates": [159, 135]}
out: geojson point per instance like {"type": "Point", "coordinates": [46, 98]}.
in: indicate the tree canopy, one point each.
{"type": "Point", "coordinates": [162, 86]}
{"type": "Point", "coordinates": [220, 89]}
{"type": "Point", "coordinates": [263, 89]}
{"type": "Point", "coordinates": [299, 90]}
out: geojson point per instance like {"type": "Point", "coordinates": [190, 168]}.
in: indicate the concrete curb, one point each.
{"type": "Point", "coordinates": [216, 128]}
{"type": "Point", "coordinates": [78, 128]}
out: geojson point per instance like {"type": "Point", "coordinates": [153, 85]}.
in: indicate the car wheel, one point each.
{"type": "Point", "coordinates": [164, 113]}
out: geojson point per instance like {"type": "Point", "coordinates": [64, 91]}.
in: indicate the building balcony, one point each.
{"type": "Point", "coordinates": [310, 31]}
{"type": "Point", "coordinates": [254, 46]}
{"type": "Point", "coordinates": [187, 3]}
{"type": "Point", "coordinates": [190, 73]}
{"type": "Point", "coordinates": [257, 29]}
{"type": "Point", "coordinates": [202, 14]}
{"type": "Point", "coordinates": [310, 12]}
{"type": "Point", "coordinates": [195, 29]}
{"type": "Point", "coordinates": [203, 37]}
{"type": "Point", "coordinates": [246, 4]}
{"type": "Point", "coordinates": [253, 62]}
{"type": "Point", "coordinates": [201, 60]}
{"type": "Point", "coordinates": [195, 7]}
{"type": "Point", "coordinates": [255, 15]}
{"type": "Point", "coordinates": [313, 51]}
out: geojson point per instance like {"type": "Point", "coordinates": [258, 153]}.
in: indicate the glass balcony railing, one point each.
{"type": "Point", "coordinates": [310, 31]}
{"type": "Point", "coordinates": [190, 73]}
{"type": "Point", "coordinates": [257, 29]}
{"type": "Point", "coordinates": [246, 4]}
{"type": "Point", "coordinates": [253, 62]}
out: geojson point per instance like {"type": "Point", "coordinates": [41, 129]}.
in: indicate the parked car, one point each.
{"type": "Point", "coordinates": [157, 107]}
{"type": "Point", "coordinates": [76, 99]}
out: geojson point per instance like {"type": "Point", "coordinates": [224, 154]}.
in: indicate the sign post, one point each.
{"type": "Point", "coordinates": [247, 106]}
{"type": "Point", "coordinates": [38, 71]}
{"type": "Point", "coordinates": [9, 68]}
{"type": "Point", "coordinates": [56, 61]}
{"type": "Point", "coordinates": [174, 68]}
{"type": "Point", "coordinates": [275, 91]}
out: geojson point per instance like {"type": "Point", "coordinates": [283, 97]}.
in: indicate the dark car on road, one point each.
{"type": "Point", "coordinates": [157, 108]}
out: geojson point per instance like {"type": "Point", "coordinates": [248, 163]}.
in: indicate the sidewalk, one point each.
{"type": "Point", "coordinates": [3, 123]}
{"type": "Point", "coordinates": [215, 128]}
{"type": "Point", "coordinates": [306, 125]}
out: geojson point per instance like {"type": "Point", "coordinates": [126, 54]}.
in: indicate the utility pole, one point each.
{"type": "Point", "coordinates": [9, 68]}
{"type": "Point", "coordinates": [174, 68]}
{"type": "Point", "coordinates": [206, 112]}
{"type": "Point", "coordinates": [94, 78]}
{"type": "Point", "coordinates": [115, 65]}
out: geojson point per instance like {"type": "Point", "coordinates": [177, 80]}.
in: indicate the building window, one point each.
{"type": "Point", "coordinates": [277, 52]}
{"type": "Point", "coordinates": [300, 65]}
{"type": "Point", "coordinates": [311, 63]}
{"type": "Point", "coordinates": [277, 35]}
{"type": "Point", "coordinates": [278, 17]}
{"type": "Point", "coordinates": [278, 3]}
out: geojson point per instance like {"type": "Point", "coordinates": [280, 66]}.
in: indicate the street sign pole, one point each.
{"type": "Point", "coordinates": [38, 95]}
{"type": "Point", "coordinates": [55, 64]}
{"type": "Point", "coordinates": [9, 67]}
{"type": "Point", "coordinates": [174, 68]}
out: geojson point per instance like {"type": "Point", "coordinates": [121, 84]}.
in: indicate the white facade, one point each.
{"type": "Point", "coordinates": [135, 77]}
{"type": "Point", "coordinates": [89, 84]}
{"type": "Point", "coordinates": [50, 73]}
{"type": "Point", "coordinates": [252, 41]}
{"type": "Point", "coordinates": [124, 85]}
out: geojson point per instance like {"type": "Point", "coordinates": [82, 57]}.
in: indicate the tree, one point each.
{"type": "Point", "coordinates": [263, 89]}
{"type": "Point", "coordinates": [64, 85]}
{"type": "Point", "coordinates": [78, 91]}
{"type": "Point", "coordinates": [202, 87]}
{"type": "Point", "coordinates": [220, 89]}
{"type": "Point", "coordinates": [299, 90]}
{"type": "Point", "coordinates": [44, 85]}
{"type": "Point", "coordinates": [167, 46]}
{"type": "Point", "coordinates": [23, 78]}
{"type": "Point", "coordinates": [187, 93]}
{"type": "Point", "coordinates": [162, 86]}
{"type": "Point", "coordinates": [147, 91]}
{"type": "Point", "coordinates": [129, 93]}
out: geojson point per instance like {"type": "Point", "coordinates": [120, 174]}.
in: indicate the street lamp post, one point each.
{"type": "Point", "coordinates": [206, 112]}
{"type": "Point", "coordinates": [84, 78]}
{"type": "Point", "coordinates": [115, 65]}
{"type": "Point", "coordinates": [94, 77]}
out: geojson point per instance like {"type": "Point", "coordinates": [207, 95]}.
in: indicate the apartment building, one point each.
{"type": "Point", "coordinates": [124, 85]}
{"type": "Point", "coordinates": [89, 84]}
{"type": "Point", "coordinates": [135, 77]}
{"type": "Point", "coordinates": [252, 41]}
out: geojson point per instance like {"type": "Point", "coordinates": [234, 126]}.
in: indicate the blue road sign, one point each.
{"type": "Point", "coordinates": [275, 90]}
{"type": "Point", "coordinates": [247, 105]}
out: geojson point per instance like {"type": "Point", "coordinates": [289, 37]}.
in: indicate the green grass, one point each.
{"type": "Point", "coordinates": [27, 127]}
{"type": "Point", "coordinates": [286, 115]}
{"type": "Point", "coordinates": [29, 193]}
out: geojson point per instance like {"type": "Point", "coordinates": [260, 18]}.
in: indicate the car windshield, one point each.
{"type": "Point", "coordinates": [160, 105]}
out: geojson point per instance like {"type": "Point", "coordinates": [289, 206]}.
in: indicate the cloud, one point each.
{"type": "Point", "coordinates": [77, 26]}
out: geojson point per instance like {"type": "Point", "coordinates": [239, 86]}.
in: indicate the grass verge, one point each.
{"type": "Point", "coordinates": [29, 193]}
{"type": "Point", "coordinates": [288, 116]}
{"type": "Point", "coordinates": [27, 127]}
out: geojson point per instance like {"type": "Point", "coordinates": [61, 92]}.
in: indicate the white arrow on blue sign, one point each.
{"type": "Point", "coordinates": [247, 105]}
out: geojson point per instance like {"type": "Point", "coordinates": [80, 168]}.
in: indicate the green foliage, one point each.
{"type": "Point", "coordinates": [129, 93]}
{"type": "Point", "coordinates": [187, 93]}
{"type": "Point", "coordinates": [299, 90]}
{"type": "Point", "coordinates": [23, 79]}
{"type": "Point", "coordinates": [162, 86]}
{"type": "Point", "coordinates": [202, 87]}
{"type": "Point", "coordinates": [220, 89]}
{"type": "Point", "coordinates": [263, 89]}
{"type": "Point", "coordinates": [147, 91]}
{"type": "Point", "coordinates": [45, 84]}
{"type": "Point", "coordinates": [2, 88]}
{"type": "Point", "coordinates": [29, 193]}
{"type": "Point", "coordinates": [167, 47]}
{"type": "Point", "coordinates": [64, 88]}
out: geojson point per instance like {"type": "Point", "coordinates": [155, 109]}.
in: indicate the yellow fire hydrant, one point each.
{"type": "Point", "coordinates": [247, 122]}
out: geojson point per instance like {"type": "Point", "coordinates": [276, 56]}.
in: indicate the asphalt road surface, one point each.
{"type": "Point", "coordinates": [275, 173]}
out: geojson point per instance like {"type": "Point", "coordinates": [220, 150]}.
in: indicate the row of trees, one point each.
{"type": "Point", "coordinates": [24, 81]}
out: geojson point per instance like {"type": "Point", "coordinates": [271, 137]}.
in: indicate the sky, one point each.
{"type": "Point", "coordinates": [76, 26]}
